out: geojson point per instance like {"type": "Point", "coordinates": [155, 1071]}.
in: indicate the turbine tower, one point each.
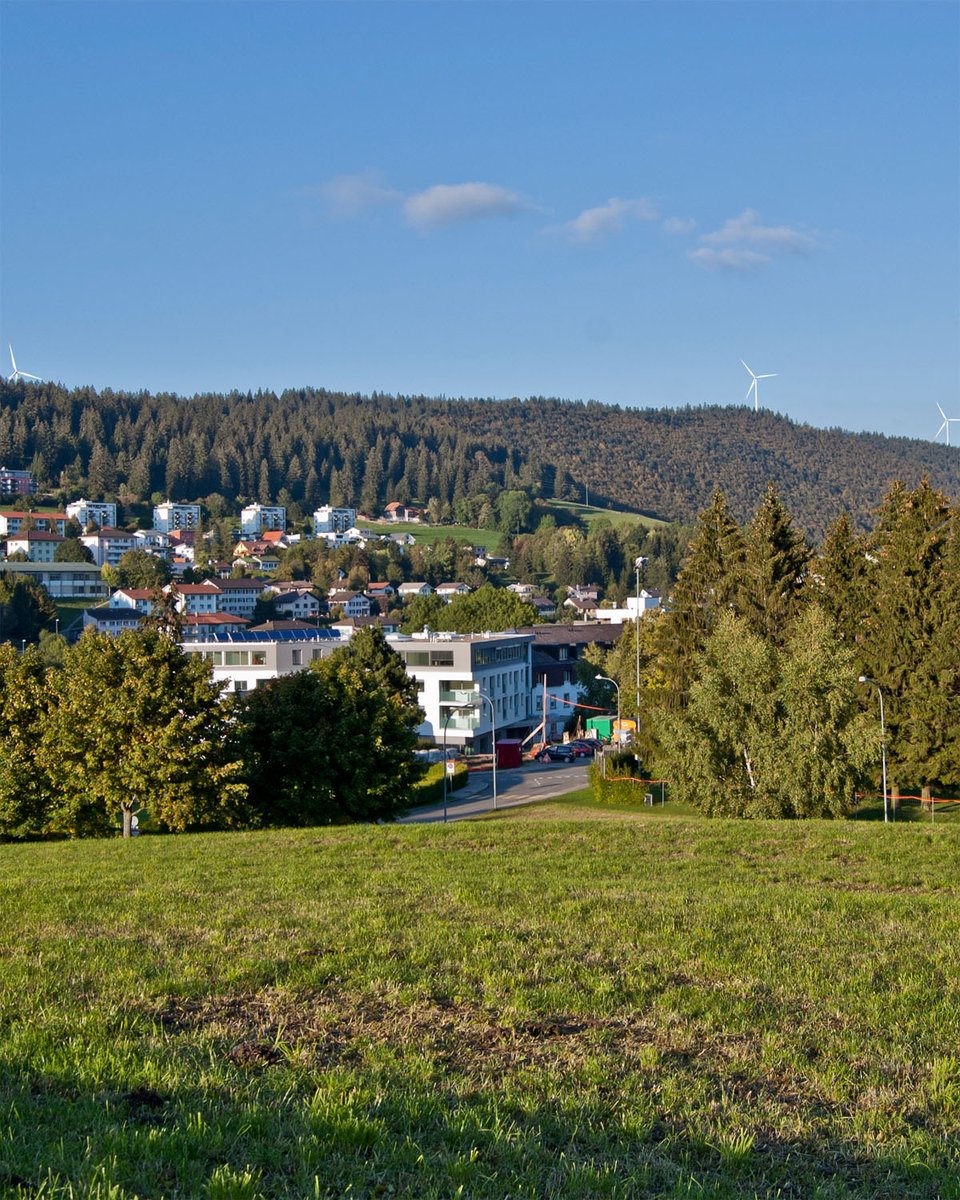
{"type": "Point", "coordinates": [947, 422]}
{"type": "Point", "coordinates": [755, 385]}
{"type": "Point", "coordinates": [17, 374]}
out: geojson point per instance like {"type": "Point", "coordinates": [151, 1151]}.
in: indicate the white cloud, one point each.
{"type": "Point", "coordinates": [679, 225]}
{"type": "Point", "coordinates": [350, 195]}
{"type": "Point", "coordinates": [728, 260]}
{"type": "Point", "coordinates": [451, 203]}
{"type": "Point", "coordinates": [593, 224]}
{"type": "Point", "coordinates": [747, 230]}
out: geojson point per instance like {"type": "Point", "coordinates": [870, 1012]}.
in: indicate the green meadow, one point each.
{"type": "Point", "coordinates": [568, 1002]}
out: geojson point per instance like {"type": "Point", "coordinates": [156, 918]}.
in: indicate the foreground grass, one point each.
{"type": "Point", "coordinates": [529, 1007]}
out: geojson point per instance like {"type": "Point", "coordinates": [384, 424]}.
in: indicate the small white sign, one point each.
{"type": "Point", "coordinates": [451, 766]}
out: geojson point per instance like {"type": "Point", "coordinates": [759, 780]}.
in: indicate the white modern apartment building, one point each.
{"type": "Point", "coordinates": [470, 682]}
{"type": "Point", "coordinates": [334, 520]}
{"type": "Point", "coordinates": [170, 516]}
{"type": "Point", "coordinates": [98, 512]}
{"type": "Point", "coordinates": [107, 545]}
{"type": "Point", "coordinates": [244, 661]}
{"type": "Point", "coordinates": [258, 518]}
{"type": "Point", "coordinates": [64, 581]}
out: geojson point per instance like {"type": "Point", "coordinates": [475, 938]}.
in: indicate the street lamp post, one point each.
{"type": "Point", "coordinates": [638, 564]}
{"type": "Point", "coordinates": [883, 743]}
{"type": "Point", "coordinates": [493, 726]}
{"type": "Point", "coordinates": [446, 720]}
{"type": "Point", "coordinates": [607, 679]}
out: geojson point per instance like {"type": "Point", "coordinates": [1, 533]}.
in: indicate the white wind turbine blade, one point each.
{"type": "Point", "coordinates": [942, 413]}
{"type": "Point", "coordinates": [773, 376]}
{"type": "Point", "coordinates": [747, 369]}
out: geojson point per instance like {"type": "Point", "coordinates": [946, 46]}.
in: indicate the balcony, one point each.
{"type": "Point", "coordinates": [459, 696]}
{"type": "Point", "coordinates": [463, 724]}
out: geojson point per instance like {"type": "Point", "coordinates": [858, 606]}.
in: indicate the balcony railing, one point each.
{"type": "Point", "coordinates": [459, 696]}
{"type": "Point", "coordinates": [464, 724]}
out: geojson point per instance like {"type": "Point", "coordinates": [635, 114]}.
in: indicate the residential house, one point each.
{"type": "Point", "coordinates": [192, 598]}
{"type": "Point", "coordinates": [582, 607]}
{"type": "Point", "coordinates": [108, 544]}
{"type": "Point", "coordinates": [414, 588]}
{"type": "Point", "coordinates": [139, 599]}
{"type": "Point", "coordinates": [38, 546]}
{"type": "Point", "coordinates": [450, 591]}
{"type": "Point", "coordinates": [238, 597]}
{"type": "Point", "coordinates": [14, 522]}
{"type": "Point", "coordinates": [395, 511]}
{"type": "Point", "coordinates": [348, 626]}
{"type": "Point", "coordinates": [298, 606]}
{"type": "Point", "coordinates": [526, 591]}
{"type": "Point", "coordinates": [545, 608]}
{"type": "Point", "coordinates": [353, 604]}
{"type": "Point", "coordinates": [650, 601]}
{"type": "Point", "coordinates": [111, 620]}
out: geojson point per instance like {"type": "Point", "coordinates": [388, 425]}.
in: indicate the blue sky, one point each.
{"type": "Point", "coordinates": [596, 201]}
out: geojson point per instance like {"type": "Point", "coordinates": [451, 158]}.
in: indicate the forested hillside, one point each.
{"type": "Point", "coordinates": [316, 446]}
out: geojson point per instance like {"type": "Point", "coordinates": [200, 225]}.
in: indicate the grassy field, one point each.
{"type": "Point", "coordinates": [590, 514]}
{"type": "Point", "coordinates": [426, 535]}
{"type": "Point", "coordinates": [571, 1002]}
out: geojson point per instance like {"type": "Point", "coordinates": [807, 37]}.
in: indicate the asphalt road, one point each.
{"type": "Point", "coordinates": [519, 785]}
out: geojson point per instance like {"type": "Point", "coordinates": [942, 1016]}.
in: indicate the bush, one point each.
{"type": "Point", "coordinates": [429, 790]}
{"type": "Point", "coordinates": [621, 786]}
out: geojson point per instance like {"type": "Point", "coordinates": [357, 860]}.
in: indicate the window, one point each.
{"type": "Point", "coordinates": [417, 658]}
{"type": "Point", "coordinates": [239, 685]}
{"type": "Point", "coordinates": [236, 658]}
{"type": "Point", "coordinates": [441, 658]}
{"type": "Point", "coordinates": [258, 658]}
{"type": "Point", "coordinates": [297, 658]}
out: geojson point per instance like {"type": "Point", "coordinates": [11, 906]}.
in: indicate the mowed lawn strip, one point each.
{"type": "Point", "coordinates": [533, 1007]}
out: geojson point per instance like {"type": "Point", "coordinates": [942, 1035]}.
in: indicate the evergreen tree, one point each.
{"type": "Point", "coordinates": [772, 577]}
{"type": "Point", "coordinates": [839, 576]}
{"type": "Point", "coordinates": [707, 586]}
{"type": "Point", "coordinates": [909, 645]}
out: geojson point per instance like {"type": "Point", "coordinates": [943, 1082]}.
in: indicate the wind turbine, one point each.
{"type": "Point", "coordinates": [17, 374]}
{"type": "Point", "coordinates": [754, 386]}
{"type": "Point", "coordinates": [947, 422]}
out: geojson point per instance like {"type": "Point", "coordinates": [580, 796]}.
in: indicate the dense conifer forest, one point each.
{"type": "Point", "coordinates": [310, 446]}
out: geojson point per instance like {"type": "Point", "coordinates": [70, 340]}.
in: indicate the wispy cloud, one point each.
{"type": "Point", "coordinates": [594, 224]}
{"type": "Point", "coordinates": [676, 225]}
{"type": "Point", "coordinates": [747, 244]}
{"type": "Point", "coordinates": [452, 203]}
{"type": "Point", "coordinates": [728, 260]}
{"type": "Point", "coordinates": [351, 195]}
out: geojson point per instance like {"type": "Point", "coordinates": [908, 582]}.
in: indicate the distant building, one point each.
{"type": "Point", "coordinates": [257, 519]}
{"type": "Point", "coordinates": [16, 483]}
{"type": "Point", "coordinates": [333, 520]}
{"type": "Point", "coordinates": [36, 544]}
{"type": "Point", "coordinates": [13, 522]}
{"type": "Point", "coordinates": [170, 516]}
{"type": "Point", "coordinates": [64, 581]}
{"type": "Point", "coordinates": [92, 512]}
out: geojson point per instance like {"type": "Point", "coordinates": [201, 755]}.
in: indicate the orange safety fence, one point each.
{"type": "Point", "coordinates": [903, 796]}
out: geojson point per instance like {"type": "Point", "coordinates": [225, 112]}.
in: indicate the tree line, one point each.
{"type": "Point", "coordinates": [751, 700]}
{"type": "Point", "coordinates": [310, 446]}
{"type": "Point", "coordinates": [113, 728]}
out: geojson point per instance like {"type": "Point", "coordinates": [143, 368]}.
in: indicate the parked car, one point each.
{"type": "Point", "coordinates": [558, 753]}
{"type": "Point", "coordinates": [582, 748]}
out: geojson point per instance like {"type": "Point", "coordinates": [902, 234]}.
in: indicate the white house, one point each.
{"type": "Point", "coordinates": [169, 516]}
{"type": "Point", "coordinates": [111, 619]}
{"type": "Point", "coordinates": [297, 606]}
{"type": "Point", "coordinates": [98, 512]}
{"type": "Point", "coordinates": [258, 518]}
{"type": "Point", "coordinates": [649, 602]}
{"type": "Point", "coordinates": [139, 599]}
{"type": "Point", "coordinates": [194, 597]}
{"type": "Point", "coordinates": [450, 591]}
{"type": "Point", "coordinates": [238, 597]}
{"type": "Point", "coordinates": [354, 604]}
{"type": "Point", "coordinates": [108, 544]}
{"type": "Point", "coordinates": [64, 581]}
{"type": "Point", "coordinates": [468, 683]}
{"type": "Point", "coordinates": [414, 588]}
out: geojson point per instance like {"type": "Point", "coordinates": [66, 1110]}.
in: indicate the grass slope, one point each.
{"type": "Point", "coordinates": [535, 1007]}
